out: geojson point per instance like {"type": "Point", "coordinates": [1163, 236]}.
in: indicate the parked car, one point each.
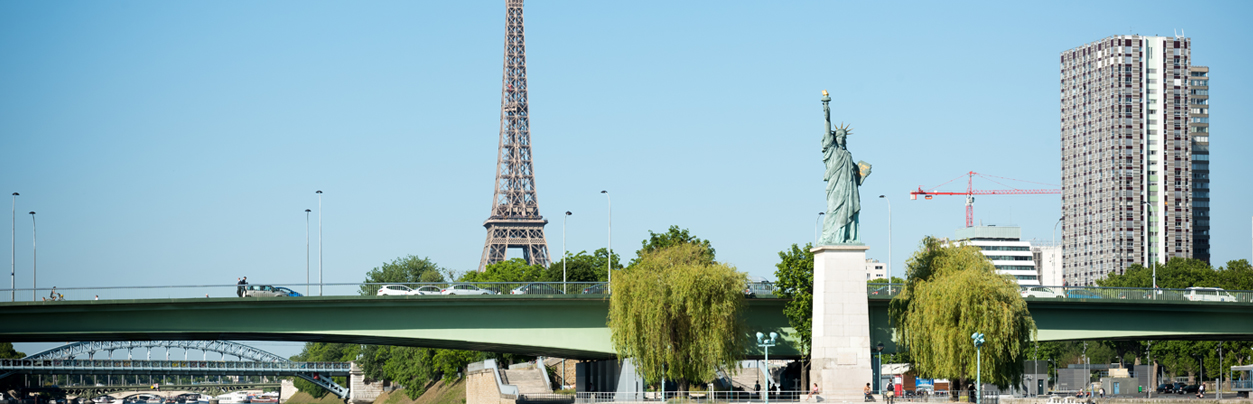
{"type": "Point", "coordinates": [1165, 388]}
{"type": "Point", "coordinates": [1198, 294]}
{"type": "Point", "coordinates": [1190, 389]}
{"type": "Point", "coordinates": [597, 289]}
{"type": "Point", "coordinates": [427, 290]}
{"type": "Point", "coordinates": [1178, 387]}
{"type": "Point", "coordinates": [289, 291]}
{"type": "Point", "coordinates": [1040, 292]}
{"type": "Point", "coordinates": [395, 290]}
{"type": "Point", "coordinates": [465, 289]}
{"type": "Point", "coordinates": [263, 291]}
{"type": "Point", "coordinates": [535, 289]}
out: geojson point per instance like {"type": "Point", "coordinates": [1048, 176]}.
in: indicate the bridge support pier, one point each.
{"type": "Point", "coordinates": [841, 326]}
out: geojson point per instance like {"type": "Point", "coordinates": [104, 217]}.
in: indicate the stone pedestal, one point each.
{"type": "Point", "coordinates": [841, 325]}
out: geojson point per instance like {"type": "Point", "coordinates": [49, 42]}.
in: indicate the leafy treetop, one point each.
{"type": "Point", "coordinates": [672, 237]}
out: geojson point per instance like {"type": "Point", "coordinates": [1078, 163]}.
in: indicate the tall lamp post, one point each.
{"type": "Point", "coordinates": [817, 225]}
{"type": "Point", "coordinates": [978, 340]}
{"type": "Point", "coordinates": [34, 265]}
{"type": "Point", "coordinates": [885, 197]}
{"type": "Point", "coordinates": [13, 254]}
{"type": "Point", "coordinates": [878, 381]}
{"type": "Point", "coordinates": [609, 259]}
{"type": "Point", "coordinates": [563, 276]}
{"type": "Point", "coordinates": [1218, 387]}
{"type": "Point", "coordinates": [307, 280]}
{"type": "Point", "coordinates": [766, 344]}
{"type": "Point", "coordinates": [319, 242]}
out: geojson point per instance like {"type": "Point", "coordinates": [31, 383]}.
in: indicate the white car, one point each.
{"type": "Point", "coordinates": [427, 290]}
{"type": "Point", "coordinates": [1040, 292]}
{"type": "Point", "coordinates": [464, 289]}
{"type": "Point", "coordinates": [396, 290]}
{"type": "Point", "coordinates": [1197, 294]}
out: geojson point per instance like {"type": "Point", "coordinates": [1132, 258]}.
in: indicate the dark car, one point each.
{"type": "Point", "coordinates": [1190, 389]}
{"type": "Point", "coordinates": [535, 289]}
{"type": "Point", "coordinates": [1165, 388]}
{"type": "Point", "coordinates": [597, 289]}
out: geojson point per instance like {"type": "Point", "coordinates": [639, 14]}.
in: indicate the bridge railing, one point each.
{"type": "Point", "coordinates": [225, 367]}
{"type": "Point", "coordinates": [887, 291]}
{"type": "Point", "coordinates": [756, 289]}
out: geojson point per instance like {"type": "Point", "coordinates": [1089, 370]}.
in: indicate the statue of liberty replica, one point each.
{"type": "Point", "coordinates": [841, 318]}
{"type": "Point", "coordinates": [843, 177]}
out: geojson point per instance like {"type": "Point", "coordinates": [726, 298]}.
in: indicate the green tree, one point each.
{"type": "Point", "coordinates": [511, 270]}
{"type": "Point", "coordinates": [324, 352]}
{"type": "Point", "coordinates": [407, 269]}
{"type": "Point", "coordinates": [7, 351]}
{"type": "Point", "coordinates": [677, 314]}
{"type": "Point", "coordinates": [794, 276]}
{"type": "Point", "coordinates": [672, 237]}
{"type": "Point", "coordinates": [583, 267]}
{"type": "Point", "coordinates": [953, 291]}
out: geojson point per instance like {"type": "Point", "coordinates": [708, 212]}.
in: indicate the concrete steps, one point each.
{"type": "Point", "coordinates": [529, 381]}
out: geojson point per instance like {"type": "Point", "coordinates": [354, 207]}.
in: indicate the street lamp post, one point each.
{"type": "Point", "coordinates": [817, 225]}
{"type": "Point", "coordinates": [1148, 351]}
{"type": "Point", "coordinates": [609, 259]}
{"type": "Point", "coordinates": [885, 197]}
{"type": "Point", "coordinates": [34, 265]}
{"type": "Point", "coordinates": [319, 242]}
{"type": "Point", "coordinates": [766, 344]}
{"type": "Point", "coordinates": [307, 280]}
{"type": "Point", "coordinates": [1218, 385]}
{"type": "Point", "coordinates": [878, 381]}
{"type": "Point", "coordinates": [13, 254]}
{"type": "Point", "coordinates": [563, 275]}
{"type": "Point", "coordinates": [1053, 259]}
{"type": "Point", "coordinates": [978, 340]}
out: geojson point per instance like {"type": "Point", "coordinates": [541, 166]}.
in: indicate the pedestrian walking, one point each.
{"type": "Point", "coordinates": [239, 287]}
{"type": "Point", "coordinates": [1102, 392]}
{"type": "Point", "coordinates": [1200, 391]}
{"type": "Point", "coordinates": [890, 395]}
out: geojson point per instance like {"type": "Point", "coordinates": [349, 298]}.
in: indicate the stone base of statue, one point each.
{"type": "Point", "coordinates": [841, 324]}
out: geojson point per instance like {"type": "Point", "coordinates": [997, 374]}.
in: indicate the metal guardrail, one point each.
{"type": "Point", "coordinates": [593, 289]}
{"type": "Point", "coordinates": [1214, 295]}
{"type": "Point", "coordinates": [759, 289]}
{"type": "Point", "coordinates": [113, 366]}
{"type": "Point", "coordinates": [688, 396]}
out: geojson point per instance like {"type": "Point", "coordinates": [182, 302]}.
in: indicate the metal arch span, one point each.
{"type": "Point", "coordinates": [69, 351]}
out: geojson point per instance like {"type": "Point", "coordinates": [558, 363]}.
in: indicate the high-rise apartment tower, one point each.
{"type": "Point", "coordinates": [1198, 130]}
{"type": "Point", "coordinates": [1126, 155]}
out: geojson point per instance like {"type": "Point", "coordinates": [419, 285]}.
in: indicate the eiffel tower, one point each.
{"type": "Point", "coordinates": [515, 220]}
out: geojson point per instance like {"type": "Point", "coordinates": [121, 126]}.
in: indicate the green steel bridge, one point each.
{"type": "Point", "coordinates": [569, 326]}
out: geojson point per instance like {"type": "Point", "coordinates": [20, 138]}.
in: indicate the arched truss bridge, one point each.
{"type": "Point", "coordinates": [254, 361]}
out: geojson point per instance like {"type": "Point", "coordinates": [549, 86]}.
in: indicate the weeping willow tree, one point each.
{"type": "Point", "coordinates": [678, 314]}
{"type": "Point", "coordinates": [953, 291]}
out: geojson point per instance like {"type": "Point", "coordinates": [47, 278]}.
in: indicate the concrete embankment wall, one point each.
{"type": "Point", "coordinates": [481, 388]}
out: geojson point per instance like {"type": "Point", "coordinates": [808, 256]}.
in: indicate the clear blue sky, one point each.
{"type": "Point", "coordinates": [180, 142]}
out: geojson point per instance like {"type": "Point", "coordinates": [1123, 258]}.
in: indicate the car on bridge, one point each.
{"type": "Point", "coordinates": [263, 291]}
{"type": "Point", "coordinates": [535, 289]}
{"type": "Point", "coordinates": [1199, 294]}
{"type": "Point", "coordinates": [396, 290]}
{"type": "Point", "coordinates": [289, 291]}
{"type": "Point", "coordinates": [465, 289]}
{"type": "Point", "coordinates": [597, 289]}
{"type": "Point", "coordinates": [1041, 292]}
{"type": "Point", "coordinates": [427, 290]}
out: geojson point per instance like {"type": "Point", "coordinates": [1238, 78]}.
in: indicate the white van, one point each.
{"type": "Point", "coordinates": [1208, 295]}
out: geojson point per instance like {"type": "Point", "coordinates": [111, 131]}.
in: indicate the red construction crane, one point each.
{"type": "Point", "coordinates": [971, 192]}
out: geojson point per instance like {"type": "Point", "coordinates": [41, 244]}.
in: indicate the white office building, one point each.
{"type": "Point", "coordinates": [875, 269]}
{"type": "Point", "coordinates": [1004, 247]}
